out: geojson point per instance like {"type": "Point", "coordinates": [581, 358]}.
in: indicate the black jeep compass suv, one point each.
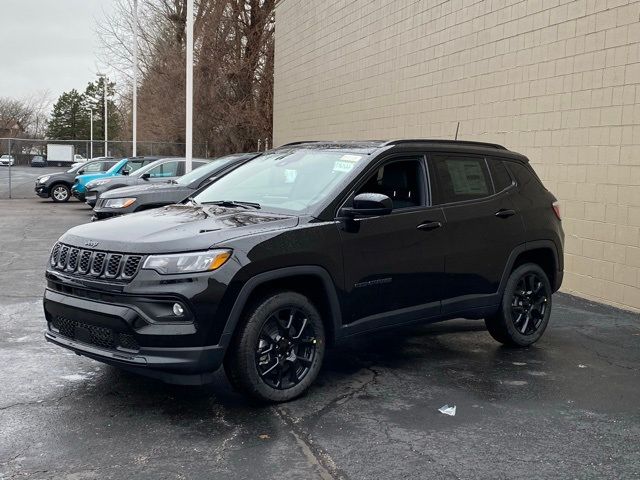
{"type": "Point", "coordinates": [303, 247]}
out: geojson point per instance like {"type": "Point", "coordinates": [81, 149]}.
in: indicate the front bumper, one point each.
{"type": "Point", "coordinates": [123, 334]}
{"type": "Point", "coordinates": [42, 190]}
{"type": "Point", "coordinates": [91, 197]}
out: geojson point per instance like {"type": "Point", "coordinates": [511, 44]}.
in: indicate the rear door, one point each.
{"type": "Point", "coordinates": [482, 226]}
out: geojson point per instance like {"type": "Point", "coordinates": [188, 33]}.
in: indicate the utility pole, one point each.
{"type": "Point", "coordinates": [189, 93]}
{"type": "Point", "coordinates": [135, 78]}
{"type": "Point", "coordinates": [91, 130]}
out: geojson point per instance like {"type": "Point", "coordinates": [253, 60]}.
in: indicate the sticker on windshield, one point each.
{"type": "Point", "coordinates": [350, 158]}
{"type": "Point", "coordinates": [290, 175]}
{"type": "Point", "coordinates": [343, 166]}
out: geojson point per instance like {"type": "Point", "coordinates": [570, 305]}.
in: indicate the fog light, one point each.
{"type": "Point", "coordinates": [178, 310]}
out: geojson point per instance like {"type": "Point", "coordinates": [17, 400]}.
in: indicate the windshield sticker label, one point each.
{"type": "Point", "coordinates": [342, 166]}
{"type": "Point", "coordinates": [350, 158]}
{"type": "Point", "coordinates": [290, 175]}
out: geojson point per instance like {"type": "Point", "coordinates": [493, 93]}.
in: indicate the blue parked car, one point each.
{"type": "Point", "coordinates": [123, 167]}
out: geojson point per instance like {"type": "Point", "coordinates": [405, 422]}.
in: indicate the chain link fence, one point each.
{"type": "Point", "coordinates": [17, 178]}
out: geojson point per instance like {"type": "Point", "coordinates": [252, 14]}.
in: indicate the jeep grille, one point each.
{"type": "Point", "coordinates": [94, 263]}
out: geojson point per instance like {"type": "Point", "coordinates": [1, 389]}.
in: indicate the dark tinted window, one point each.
{"type": "Point", "coordinates": [524, 174]}
{"type": "Point", "coordinates": [460, 178]}
{"type": "Point", "coordinates": [399, 180]}
{"type": "Point", "coordinates": [500, 175]}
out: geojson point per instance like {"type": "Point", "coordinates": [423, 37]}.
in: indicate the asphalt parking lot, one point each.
{"type": "Point", "coordinates": [565, 408]}
{"type": "Point", "coordinates": [22, 180]}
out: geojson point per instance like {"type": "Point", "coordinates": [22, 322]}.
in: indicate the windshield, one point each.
{"type": "Point", "coordinates": [289, 180]}
{"type": "Point", "coordinates": [75, 168]}
{"type": "Point", "coordinates": [117, 166]}
{"type": "Point", "coordinates": [208, 169]}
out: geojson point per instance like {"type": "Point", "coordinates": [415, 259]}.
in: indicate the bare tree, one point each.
{"type": "Point", "coordinates": [26, 117]}
{"type": "Point", "coordinates": [233, 71]}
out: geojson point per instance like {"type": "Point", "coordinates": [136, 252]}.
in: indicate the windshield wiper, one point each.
{"type": "Point", "coordinates": [233, 203]}
{"type": "Point", "coordinates": [193, 201]}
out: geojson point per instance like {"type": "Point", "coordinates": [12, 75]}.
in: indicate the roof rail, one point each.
{"type": "Point", "coordinates": [302, 142]}
{"type": "Point", "coordinates": [338, 142]}
{"type": "Point", "coordinates": [463, 142]}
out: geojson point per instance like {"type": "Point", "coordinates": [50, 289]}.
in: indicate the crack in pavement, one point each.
{"type": "Point", "coordinates": [315, 455]}
{"type": "Point", "coordinates": [345, 397]}
{"type": "Point", "coordinates": [36, 402]}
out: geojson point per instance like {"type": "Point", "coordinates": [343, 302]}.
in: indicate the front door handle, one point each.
{"type": "Point", "coordinates": [429, 225]}
{"type": "Point", "coordinates": [504, 213]}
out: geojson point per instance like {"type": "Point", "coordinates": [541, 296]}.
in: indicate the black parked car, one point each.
{"type": "Point", "coordinates": [303, 247]}
{"type": "Point", "coordinates": [38, 161]}
{"type": "Point", "coordinates": [146, 196]}
{"type": "Point", "coordinates": [58, 185]}
{"type": "Point", "coordinates": [162, 170]}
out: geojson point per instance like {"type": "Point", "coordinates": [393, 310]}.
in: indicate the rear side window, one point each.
{"type": "Point", "coordinates": [460, 178]}
{"type": "Point", "coordinates": [524, 175]}
{"type": "Point", "coordinates": [500, 175]}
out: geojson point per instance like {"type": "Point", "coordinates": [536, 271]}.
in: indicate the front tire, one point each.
{"type": "Point", "coordinates": [525, 309]}
{"type": "Point", "coordinates": [278, 349]}
{"type": "Point", "coordinates": [60, 193]}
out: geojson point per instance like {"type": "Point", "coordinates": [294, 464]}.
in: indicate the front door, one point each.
{"type": "Point", "coordinates": [393, 264]}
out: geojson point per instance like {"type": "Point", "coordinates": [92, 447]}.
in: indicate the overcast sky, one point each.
{"type": "Point", "coordinates": [48, 45]}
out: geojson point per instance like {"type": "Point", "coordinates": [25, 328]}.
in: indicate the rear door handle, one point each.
{"type": "Point", "coordinates": [504, 213]}
{"type": "Point", "coordinates": [429, 225]}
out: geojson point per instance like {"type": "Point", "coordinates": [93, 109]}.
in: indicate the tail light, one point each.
{"type": "Point", "coordinates": [556, 209]}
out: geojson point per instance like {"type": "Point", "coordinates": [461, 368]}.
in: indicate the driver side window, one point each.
{"type": "Point", "coordinates": [167, 169]}
{"type": "Point", "coordinates": [93, 167]}
{"type": "Point", "coordinates": [400, 180]}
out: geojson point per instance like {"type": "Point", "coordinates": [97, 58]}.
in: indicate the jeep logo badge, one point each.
{"type": "Point", "coordinates": [91, 244]}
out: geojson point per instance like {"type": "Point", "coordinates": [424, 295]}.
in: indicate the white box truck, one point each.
{"type": "Point", "coordinates": [59, 154]}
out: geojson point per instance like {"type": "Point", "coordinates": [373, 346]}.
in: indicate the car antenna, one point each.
{"type": "Point", "coordinates": [457, 128]}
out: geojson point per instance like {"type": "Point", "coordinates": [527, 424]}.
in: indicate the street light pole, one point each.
{"type": "Point", "coordinates": [135, 78]}
{"type": "Point", "coordinates": [189, 93]}
{"type": "Point", "coordinates": [91, 131]}
{"type": "Point", "coordinates": [106, 119]}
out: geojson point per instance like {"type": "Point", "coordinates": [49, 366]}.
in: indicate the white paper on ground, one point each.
{"type": "Point", "coordinates": [447, 410]}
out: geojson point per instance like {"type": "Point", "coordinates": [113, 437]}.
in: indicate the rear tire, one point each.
{"type": "Point", "coordinates": [278, 348]}
{"type": "Point", "coordinates": [525, 308]}
{"type": "Point", "coordinates": [60, 193]}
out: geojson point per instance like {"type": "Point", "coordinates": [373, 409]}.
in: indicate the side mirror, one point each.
{"type": "Point", "coordinates": [125, 172]}
{"type": "Point", "coordinates": [81, 171]}
{"type": "Point", "coordinates": [145, 176]}
{"type": "Point", "coordinates": [368, 205]}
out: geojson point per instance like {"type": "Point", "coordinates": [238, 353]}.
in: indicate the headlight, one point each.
{"type": "Point", "coordinates": [43, 179]}
{"type": "Point", "coordinates": [187, 262]}
{"type": "Point", "coordinates": [97, 183]}
{"type": "Point", "coordinates": [119, 202]}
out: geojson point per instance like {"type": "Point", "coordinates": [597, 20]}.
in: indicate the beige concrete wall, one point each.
{"type": "Point", "coordinates": [558, 81]}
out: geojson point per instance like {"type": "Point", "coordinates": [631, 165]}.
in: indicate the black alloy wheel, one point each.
{"type": "Point", "coordinates": [529, 304]}
{"type": "Point", "coordinates": [524, 312]}
{"type": "Point", "coordinates": [286, 348]}
{"type": "Point", "coordinates": [277, 350]}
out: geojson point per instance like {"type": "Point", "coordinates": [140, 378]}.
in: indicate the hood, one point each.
{"type": "Point", "coordinates": [120, 180]}
{"type": "Point", "coordinates": [140, 189]}
{"type": "Point", "coordinates": [176, 228]}
{"type": "Point", "coordinates": [87, 177]}
{"type": "Point", "coordinates": [54, 175]}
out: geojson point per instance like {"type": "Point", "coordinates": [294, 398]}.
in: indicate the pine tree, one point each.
{"type": "Point", "coordinates": [69, 120]}
{"type": "Point", "coordinates": [94, 99]}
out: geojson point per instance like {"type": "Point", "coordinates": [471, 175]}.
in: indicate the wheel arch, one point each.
{"type": "Point", "coordinates": [312, 281]}
{"type": "Point", "coordinates": [541, 252]}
